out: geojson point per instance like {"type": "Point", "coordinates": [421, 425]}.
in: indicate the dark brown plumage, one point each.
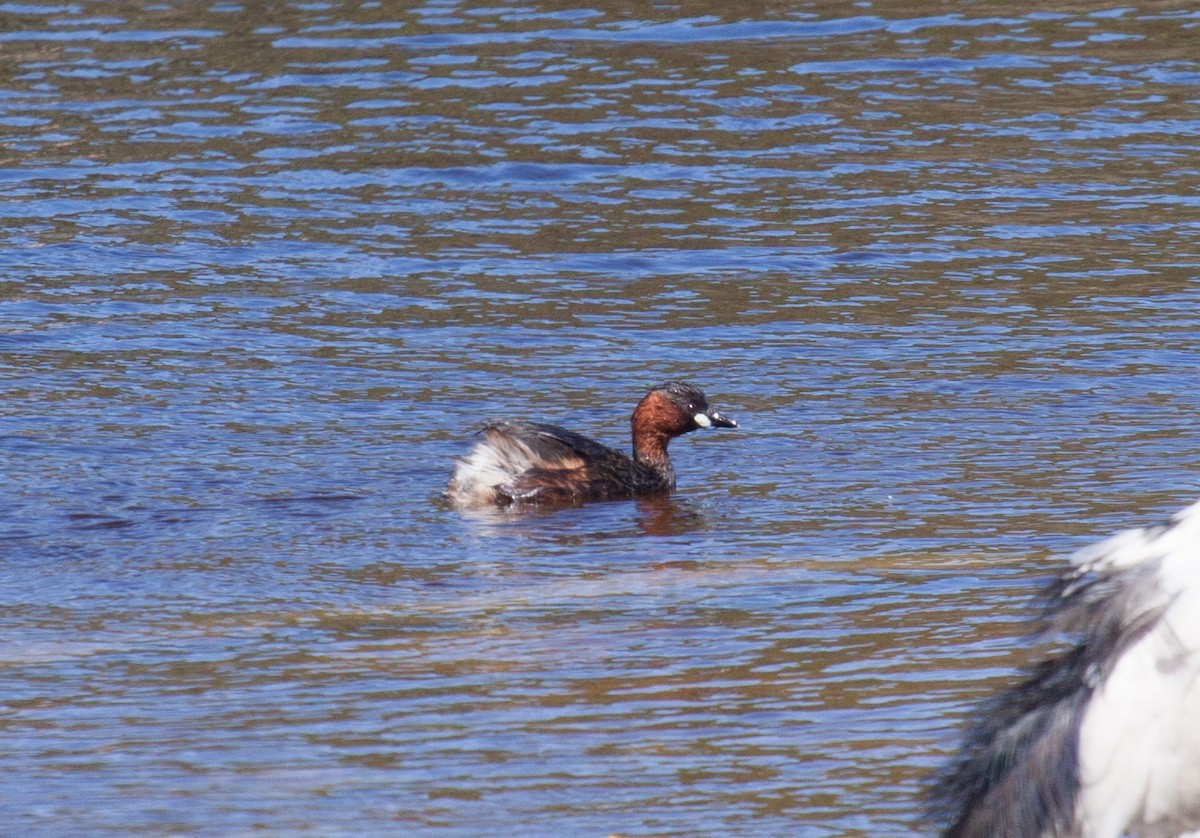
{"type": "Point", "coordinates": [533, 463]}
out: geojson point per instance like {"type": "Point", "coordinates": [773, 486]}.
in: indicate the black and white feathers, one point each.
{"type": "Point", "coordinates": [1101, 739]}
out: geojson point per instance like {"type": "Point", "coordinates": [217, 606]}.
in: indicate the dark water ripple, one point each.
{"type": "Point", "coordinates": [262, 268]}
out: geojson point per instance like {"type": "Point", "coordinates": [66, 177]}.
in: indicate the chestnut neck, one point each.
{"type": "Point", "coordinates": [655, 422]}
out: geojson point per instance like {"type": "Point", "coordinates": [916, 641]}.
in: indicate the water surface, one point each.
{"type": "Point", "coordinates": [264, 267]}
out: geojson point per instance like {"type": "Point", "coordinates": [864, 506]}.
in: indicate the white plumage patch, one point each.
{"type": "Point", "coordinates": [475, 477]}
{"type": "Point", "coordinates": [498, 468]}
{"type": "Point", "coordinates": [494, 462]}
{"type": "Point", "coordinates": [1178, 541]}
{"type": "Point", "coordinates": [1139, 742]}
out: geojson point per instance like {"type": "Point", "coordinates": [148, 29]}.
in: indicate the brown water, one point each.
{"type": "Point", "coordinates": [264, 266]}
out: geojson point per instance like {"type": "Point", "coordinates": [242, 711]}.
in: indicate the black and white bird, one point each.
{"type": "Point", "coordinates": [1102, 738]}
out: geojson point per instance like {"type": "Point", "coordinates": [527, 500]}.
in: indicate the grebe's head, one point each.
{"type": "Point", "coordinates": [675, 408]}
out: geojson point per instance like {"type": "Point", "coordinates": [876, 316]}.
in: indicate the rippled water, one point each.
{"type": "Point", "coordinates": [264, 266]}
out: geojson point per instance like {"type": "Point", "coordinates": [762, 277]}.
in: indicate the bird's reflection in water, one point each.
{"type": "Point", "coordinates": [668, 515]}
{"type": "Point", "coordinates": [658, 516]}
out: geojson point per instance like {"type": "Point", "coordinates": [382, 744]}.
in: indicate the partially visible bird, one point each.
{"type": "Point", "coordinates": [1102, 738]}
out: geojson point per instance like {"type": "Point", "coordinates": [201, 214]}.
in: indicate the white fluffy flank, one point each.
{"type": "Point", "coordinates": [482, 477]}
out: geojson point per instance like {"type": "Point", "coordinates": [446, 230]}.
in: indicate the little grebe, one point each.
{"type": "Point", "coordinates": [533, 463]}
